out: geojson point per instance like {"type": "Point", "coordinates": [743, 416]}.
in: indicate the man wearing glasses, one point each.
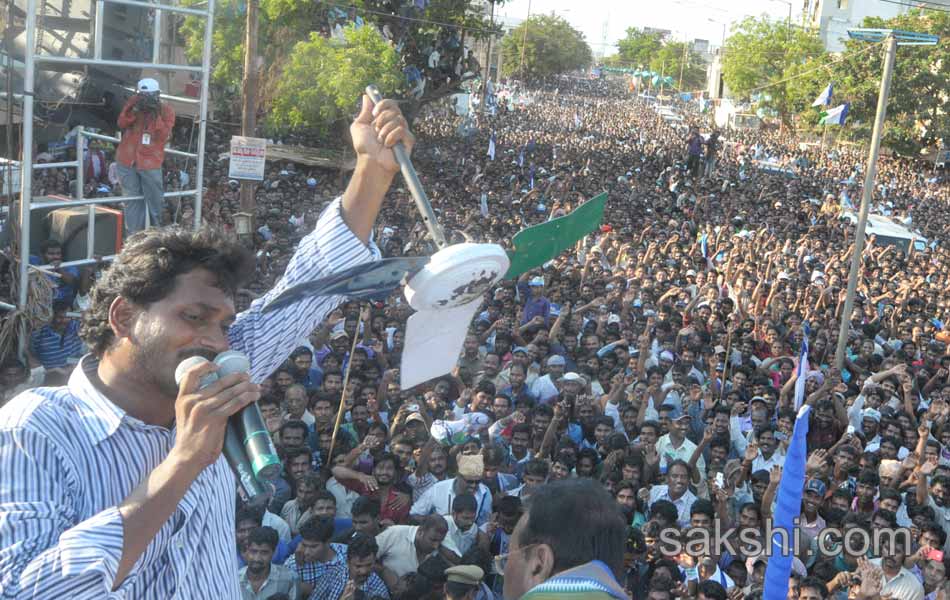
{"type": "Point", "coordinates": [545, 557]}
{"type": "Point", "coordinates": [438, 498]}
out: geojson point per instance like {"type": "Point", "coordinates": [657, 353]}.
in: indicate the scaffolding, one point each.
{"type": "Point", "coordinates": [34, 60]}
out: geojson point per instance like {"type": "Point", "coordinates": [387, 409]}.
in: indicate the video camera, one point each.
{"type": "Point", "coordinates": [148, 101]}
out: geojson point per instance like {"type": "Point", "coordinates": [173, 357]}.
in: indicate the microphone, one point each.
{"type": "Point", "coordinates": [250, 423]}
{"type": "Point", "coordinates": [236, 448]}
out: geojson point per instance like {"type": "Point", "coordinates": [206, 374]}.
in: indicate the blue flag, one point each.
{"type": "Point", "coordinates": [491, 146]}
{"type": "Point", "coordinates": [836, 115]}
{"type": "Point", "coordinates": [788, 506]}
{"type": "Point", "coordinates": [824, 98]}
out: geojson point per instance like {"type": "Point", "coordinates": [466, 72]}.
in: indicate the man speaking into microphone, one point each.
{"type": "Point", "coordinates": [115, 483]}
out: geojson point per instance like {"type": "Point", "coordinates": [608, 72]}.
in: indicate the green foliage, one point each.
{"type": "Point", "coordinates": [322, 80]}
{"type": "Point", "coordinates": [638, 48]}
{"type": "Point", "coordinates": [674, 58]}
{"type": "Point", "coordinates": [551, 47]}
{"type": "Point", "coordinates": [918, 110]}
{"type": "Point", "coordinates": [284, 23]}
{"type": "Point", "coordinates": [761, 54]}
{"type": "Point", "coordinates": [650, 51]}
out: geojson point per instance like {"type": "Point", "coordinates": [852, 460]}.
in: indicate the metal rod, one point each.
{"type": "Point", "coordinates": [26, 164]}
{"type": "Point", "coordinates": [6, 306]}
{"type": "Point", "coordinates": [413, 183]}
{"type": "Point", "coordinates": [157, 36]}
{"type": "Point", "coordinates": [182, 99]}
{"type": "Point", "coordinates": [87, 261]}
{"type": "Point", "coordinates": [115, 140]}
{"type": "Point", "coordinates": [858, 246]}
{"type": "Point", "coordinates": [161, 7]}
{"type": "Point", "coordinates": [100, 25]}
{"type": "Point", "coordinates": [104, 200]}
{"type": "Point", "coordinates": [203, 113]}
{"type": "Point", "coordinates": [70, 60]}
{"type": "Point", "coordinates": [57, 165]}
{"type": "Point", "coordinates": [81, 193]}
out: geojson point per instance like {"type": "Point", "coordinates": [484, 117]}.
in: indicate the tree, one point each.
{"type": "Point", "coordinates": [918, 110]}
{"type": "Point", "coordinates": [637, 48]}
{"type": "Point", "coordinates": [321, 102]}
{"type": "Point", "coordinates": [761, 55]}
{"type": "Point", "coordinates": [675, 57]}
{"type": "Point", "coordinates": [550, 47]}
{"type": "Point", "coordinates": [446, 25]}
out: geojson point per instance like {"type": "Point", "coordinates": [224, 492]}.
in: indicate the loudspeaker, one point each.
{"type": "Point", "coordinates": [69, 226]}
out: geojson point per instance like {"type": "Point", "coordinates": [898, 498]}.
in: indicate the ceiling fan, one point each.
{"type": "Point", "coordinates": [447, 288]}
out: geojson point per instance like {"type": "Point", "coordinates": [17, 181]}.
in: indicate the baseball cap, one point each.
{"type": "Point", "coordinates": [691, 273]}
{"type": "Point", "coordinates": [557, 359]}
{"type": "Point", "coordinates": [536, 282]}
{"type": "Point", "coordinates": [817, 486]}
{"type": "Point", "coordinates": [415, 417]}
{"type": "Point", "coordinates": [871, 413]}
{"type": "Point", "coordinates": [719, 350]}
{"type": "Point", "coordinates": [339, 333]}
{"type": "Point", "coordinates": [613, 318]}
{"type": "Point", "coordinates": [147, 85]}
{"type": "Point", "coordinates": [520, 349]}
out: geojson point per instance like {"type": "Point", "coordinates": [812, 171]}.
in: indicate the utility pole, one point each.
{"type": "Point", "coordinates": [249, 99]}
{"type": "Point", "coordinates": [487, 63]}
{"type": "Point", "coordinates": [524, 41]}
{"type": "Point", "coordinates": [683, 63]}
{"type": "Point", "coordinates": [890, 52]}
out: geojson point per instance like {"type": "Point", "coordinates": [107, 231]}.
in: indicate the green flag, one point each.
{"type": "Point", "coordinates": [537, 245]}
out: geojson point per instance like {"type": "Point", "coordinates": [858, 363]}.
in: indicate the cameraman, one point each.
{"type": "Point", "coordinates": [146, 125]}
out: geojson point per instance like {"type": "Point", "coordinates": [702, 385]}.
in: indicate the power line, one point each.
{"type": "Point", "coordinates": [921, 6]}
{"type": "Point", "coordinates": [412, 19]}
{"type": "Point", "coordinates": [818, 68]}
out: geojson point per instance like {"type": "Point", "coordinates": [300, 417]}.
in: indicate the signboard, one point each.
{"type": "Point", "coordinates": [247, 157]}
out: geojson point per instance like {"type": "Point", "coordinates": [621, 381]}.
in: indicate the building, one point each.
{"type": "Point", "coordinates": [702, 48]}
{"type": "Point", "coordinates": [663, 33]}
{"type": "Point", "coordinates": [480, 48]}
{"type": "Point", "coordinates": [833, 18]}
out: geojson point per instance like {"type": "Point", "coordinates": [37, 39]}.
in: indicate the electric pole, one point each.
{"type": "Point", "coordinates": [249, 99]}
{"type": "Point", "coordinates": [524, 41]}
{"type": "Point", "coordinates": [487, 64]}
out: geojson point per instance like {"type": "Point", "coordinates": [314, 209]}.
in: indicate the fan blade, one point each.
{"type": "Point", "coordinates": [365, 281]}
{"type": "Point", "coordinates": [537, 245]}
{"type": "Point", "coordinates": [434, 339]}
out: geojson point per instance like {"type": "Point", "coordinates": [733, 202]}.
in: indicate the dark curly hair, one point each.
{"type": "Point", "coordinates": [145, 271]}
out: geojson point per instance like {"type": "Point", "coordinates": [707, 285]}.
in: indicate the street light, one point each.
{"type": "Point", "coordinates": [892, 38]}
{"type": "Point", "coordinates": [789, 11]}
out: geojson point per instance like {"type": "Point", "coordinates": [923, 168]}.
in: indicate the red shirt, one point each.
{"type": "Point", "coordinates": [132, 152]}
{"type": "Point", "coordinates": [386, 509]}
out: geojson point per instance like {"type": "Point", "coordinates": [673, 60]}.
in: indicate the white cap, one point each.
{"type": "Point", "coordinates": [147, 85]}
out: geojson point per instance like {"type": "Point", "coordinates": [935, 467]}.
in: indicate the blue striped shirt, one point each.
{"type": "Point", "coordinates": [69, 457]}
{"type": "Point", "coordinates": [53, 349]}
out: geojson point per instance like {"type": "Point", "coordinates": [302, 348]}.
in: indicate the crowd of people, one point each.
{"type": "Point", "coordinates": [656, 361]}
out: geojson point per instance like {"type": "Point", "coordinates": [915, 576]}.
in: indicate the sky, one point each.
{"type": "Point", "coordinates": [689, 18]}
